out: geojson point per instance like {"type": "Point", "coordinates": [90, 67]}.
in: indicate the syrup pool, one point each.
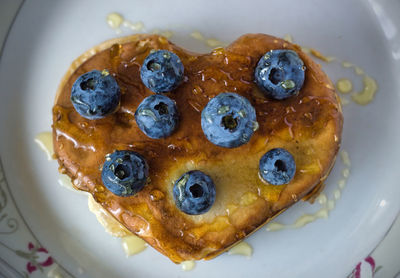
{"type": "Point", "coordinates": [131, 244]}
{"type": "Point", "coordinates": [326, 204]}
{"type": "Point", "coordinates": [242, 248]}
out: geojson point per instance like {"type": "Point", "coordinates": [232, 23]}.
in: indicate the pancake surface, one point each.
{"type": "Point", "coordinates": [308, 125]}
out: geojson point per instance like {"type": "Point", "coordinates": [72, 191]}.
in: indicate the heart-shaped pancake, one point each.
{"type": "Point", "coordinates": [308, 125]}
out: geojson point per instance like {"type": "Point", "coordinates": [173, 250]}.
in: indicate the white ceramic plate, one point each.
{"type": "Point", "coordinates": [48, 35]}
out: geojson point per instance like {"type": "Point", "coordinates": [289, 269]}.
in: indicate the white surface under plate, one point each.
{"type": "Point", "coordinates": [48, 35]}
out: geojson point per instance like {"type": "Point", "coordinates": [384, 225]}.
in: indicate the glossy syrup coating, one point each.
{"type": "Point", "coordinates": [307, 125]}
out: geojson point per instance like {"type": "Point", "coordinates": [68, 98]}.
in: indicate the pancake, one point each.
{"type": "Point", "coordinates": [308, 125]}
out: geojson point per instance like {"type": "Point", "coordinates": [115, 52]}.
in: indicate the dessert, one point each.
{"type": "Point", "coordinates": [200, 150]}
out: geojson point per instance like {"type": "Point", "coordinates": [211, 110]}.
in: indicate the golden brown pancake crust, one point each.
{"type": "Point", "coordinates": [308, 125]}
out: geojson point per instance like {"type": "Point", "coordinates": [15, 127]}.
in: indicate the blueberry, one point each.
{"type": "Point", "coordinates": [228, 120]}
{"type": "Point", "coordinates": [194, 192]}
{"type": "Point", "coordinates": [277, 166]}
{"type": "Point", "coordinates": [157, 116]}
{"type": "Point", "coordinates": [280, 73]}
{"type": "Point", "coordinates": [162, 71]}
{"type": "Point", "coordinates": [124, 173]}
{"type": "Point", "coordinates": [95, 94]}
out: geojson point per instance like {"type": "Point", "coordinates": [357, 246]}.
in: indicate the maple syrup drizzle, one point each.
{"type": "Point", "coordinates": [105, 135]}
{"type": "Point", "coordinates": [344, 86]}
